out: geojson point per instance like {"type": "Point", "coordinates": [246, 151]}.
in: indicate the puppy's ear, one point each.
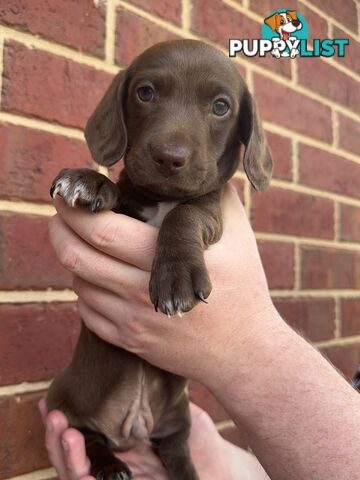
{"type": "Point", "coordinates": [292, 14]}
{"type": "Point", "coordinates": [257, 157]}
{"type": "Point", "coordinates": [105, 131]}
{"type": "Point", "coordinates": [273, 21]}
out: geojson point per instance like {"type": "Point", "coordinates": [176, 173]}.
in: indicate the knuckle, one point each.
{"type": "Point", "coordinates": [103, 235]}
{"type": "Point", "coordinates": [68, 256]}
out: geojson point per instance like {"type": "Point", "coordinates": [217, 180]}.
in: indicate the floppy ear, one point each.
{"type": "Point", "coordinates": [292, 14]}
{"type": "Point", "coordinates": [257, 157]}
{"type": "Point", "coordinates": [105, 131]}
{"type": "Point", "coordinates": [272, 21]}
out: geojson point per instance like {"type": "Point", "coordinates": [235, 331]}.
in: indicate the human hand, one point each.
{"type": "Point", "coordinates": [210, 453]}
{"type": "Point", "coordinates": [111, 255]}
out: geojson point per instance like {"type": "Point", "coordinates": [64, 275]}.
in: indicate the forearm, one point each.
{"type": "Point", "coordinates": [301, 416]}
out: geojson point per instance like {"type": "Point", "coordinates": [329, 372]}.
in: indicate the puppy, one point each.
{"type": "Point", "coordinates": [284, 24]}
{"type": "Point", "coordinates": [177, 116]}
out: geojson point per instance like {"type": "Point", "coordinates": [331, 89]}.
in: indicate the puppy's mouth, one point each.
{"type": "Point", "coordinates": [285, 35]}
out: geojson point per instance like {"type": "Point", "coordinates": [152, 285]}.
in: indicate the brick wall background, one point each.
{"type": "Point", "coordinates": [56, 59]}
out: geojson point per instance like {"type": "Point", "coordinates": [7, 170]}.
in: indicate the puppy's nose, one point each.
{"type": "Point", "coordinates": [296, 23]}
{"type": "Point", "coordinates": [170, 159]}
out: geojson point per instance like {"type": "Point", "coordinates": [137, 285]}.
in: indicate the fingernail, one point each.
{"type": "Point", "coordinates": [65, 446]}
{"type": "Point", "coordinates": [49, 426]}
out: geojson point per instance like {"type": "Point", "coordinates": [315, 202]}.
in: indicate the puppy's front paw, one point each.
{"type": "Point", "coordinates": [117, 471]}
{"type": "Point", "coordinates": [85, 187]}
{"type": "Point", "coordinates": [177, 286]}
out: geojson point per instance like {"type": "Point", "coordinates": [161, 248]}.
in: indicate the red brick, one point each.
{"type": "Point", "coordinates": [317, 25]}
{"type": "Point", "coordinates": [230, 23]}
{"type": "Point", "coordinates": [278, 262]}
{"type": "Point", "coordinates": [26, 257]}
{"type": "Point", "coordinates": [21, 436]}
{"type": "Point", "coordinates": [30, 159]}
{"type": "Point", "coordinates": [350, 223]}
{"type": "Point", "coordinates": [45, 334]}
{"type": "Point", "coordinates": [293, 213]}
{"type": "Point", "coordinates": [281, 152]}
{"type": "Point", "coordinates": [312, 317]}
{"type": "Point", "coordinates": [343, 12]}
{"type": "Point", "coordinates": [345, 358]}
{"type": "Point", "coordinates": [352, 51]}
{"type": "Point", "coordinates": [233, 435]}
{"type": "Point", "coordinates": [324, 170]}
{"type": "Point", "coordinates": [80, 24]}
{"type": "Point", "coordinates": [350, 314]}
{"type": "Point", "coordinates": [168, 9]}
{"type": "Point", "coordinates": [280, 104]}
{"type": "Point", "coordinates": [202, 397]}
{"type": "Point", "coordinates": [135, 34]}
{"type": "Point", "coordinates": [40, 84]}
{"type": "Point", "coordinates": [349, 134]}
{"type": "Point", "coordinates": [329, 82]}
{"type": "Point", "coordinates": [330, 268]}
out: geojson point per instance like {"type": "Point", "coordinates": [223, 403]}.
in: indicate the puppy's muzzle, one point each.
{"type": "Point", "coordinates": [170, 159]}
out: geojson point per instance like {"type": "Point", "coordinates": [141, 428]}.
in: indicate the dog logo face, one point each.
{"type": "Point", "coordinates": [286, 26]}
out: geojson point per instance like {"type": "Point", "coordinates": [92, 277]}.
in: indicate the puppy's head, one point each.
{"type": "Point", "coordinates": [178, 115]}
{"type": "Point", "coordinates": [286, 22]}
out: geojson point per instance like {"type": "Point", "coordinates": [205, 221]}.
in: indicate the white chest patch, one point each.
{"type": "Point", "coordinates": [155, 215]}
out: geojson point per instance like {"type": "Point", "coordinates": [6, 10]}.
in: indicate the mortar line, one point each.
{"type": "Point", "coordinates": [308, 241]}
{"type": "Point", "coordinates": [45, 210]}
{"type": "Point", "coordinates": [286, 132]}
{"type": "Point", "coordinates": [295, 187]}
{"type": "Point", "coordinates": [43, 474]}
{"type": "Point", "coordinates": [37, 296]}
{"type": "Point", "coordinates": [295, 160]}
{"type": "Point", "coordinates": [24, 387]}
{"type": "Point", "coordinates": [110, 32]}
{"type": "Point", "coordinates": [315, 293]}
{"type": "Point", "coordinates": [186, 15]}
{"type": "Point", "coordinates": [297, 267]}
{"type": "Point", "coordinates": [31, 41]}
{"type": "Point", "coordinates": [337, 342]}
{"type": "Point", "coordinates": [42, 125]}
{"type": "Point", "coordinates": [338, 320]}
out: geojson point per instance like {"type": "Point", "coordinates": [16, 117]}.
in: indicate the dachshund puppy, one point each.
{"type": "Point", "coordinates": [177, 116]}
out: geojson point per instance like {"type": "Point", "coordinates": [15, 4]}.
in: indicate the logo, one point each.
{"type": "Point", "coordinates": [285, 34]}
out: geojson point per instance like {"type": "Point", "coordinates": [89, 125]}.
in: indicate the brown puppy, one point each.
{"type": "Point", "coordinates": [177, 116]}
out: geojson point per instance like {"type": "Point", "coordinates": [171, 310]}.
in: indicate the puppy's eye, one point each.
{"type": "Point", "coordinates": [220, 108]}
{"type": "Point", "coordinates": [146, 93]}
{"type": "Point", "coordinates": [282, 21]}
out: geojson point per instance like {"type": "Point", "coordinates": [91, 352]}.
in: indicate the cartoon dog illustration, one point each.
{"type": "Point", "coordinates": [284, 24]}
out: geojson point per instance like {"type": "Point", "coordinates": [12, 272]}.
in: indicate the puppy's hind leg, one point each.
{"type": "Point", "coordinates": [104, 464]}
{"type": "Point", "coordinates": [173, 449]}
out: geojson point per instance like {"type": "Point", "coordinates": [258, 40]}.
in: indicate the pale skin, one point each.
{"type": "Point", "coordinates": [300, 415]}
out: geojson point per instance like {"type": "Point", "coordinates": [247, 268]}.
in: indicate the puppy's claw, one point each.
{"type": "Point", "coordinates": [96, 206]}
{"type": "Point", "coordinates": [201, 297]}
{"type": "Point", "coordinates": [55, 189]}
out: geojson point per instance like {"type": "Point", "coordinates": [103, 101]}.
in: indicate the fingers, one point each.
{"type": "Point", "coordinates": [97, 323]}
{"type": "Point", "coordinates": [56, 424]}
{"type": "Point", "coordinates": [95, 267]}
{"type": "Point", "coordinates": [117, 235]}
{"type": "Point", "coordinates": [77, 463]}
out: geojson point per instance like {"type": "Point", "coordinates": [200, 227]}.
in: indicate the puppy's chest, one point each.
{"type": "Point", "coordinates": [155, 214]}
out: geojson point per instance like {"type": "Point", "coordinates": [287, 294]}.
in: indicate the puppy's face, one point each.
{"type": "Point", "coordinates": [178, 116]}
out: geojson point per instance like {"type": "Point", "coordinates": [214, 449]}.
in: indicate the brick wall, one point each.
{"type": "Point", "coordinates": [56, 59]}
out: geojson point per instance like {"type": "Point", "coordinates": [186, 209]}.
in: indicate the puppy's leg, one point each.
{"type": "Point", "coordinates": [170, 443]}
{"type": "Point", "coordinates": [104, 464]}
{"type": "Point", "coordinates": [86, 187]}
